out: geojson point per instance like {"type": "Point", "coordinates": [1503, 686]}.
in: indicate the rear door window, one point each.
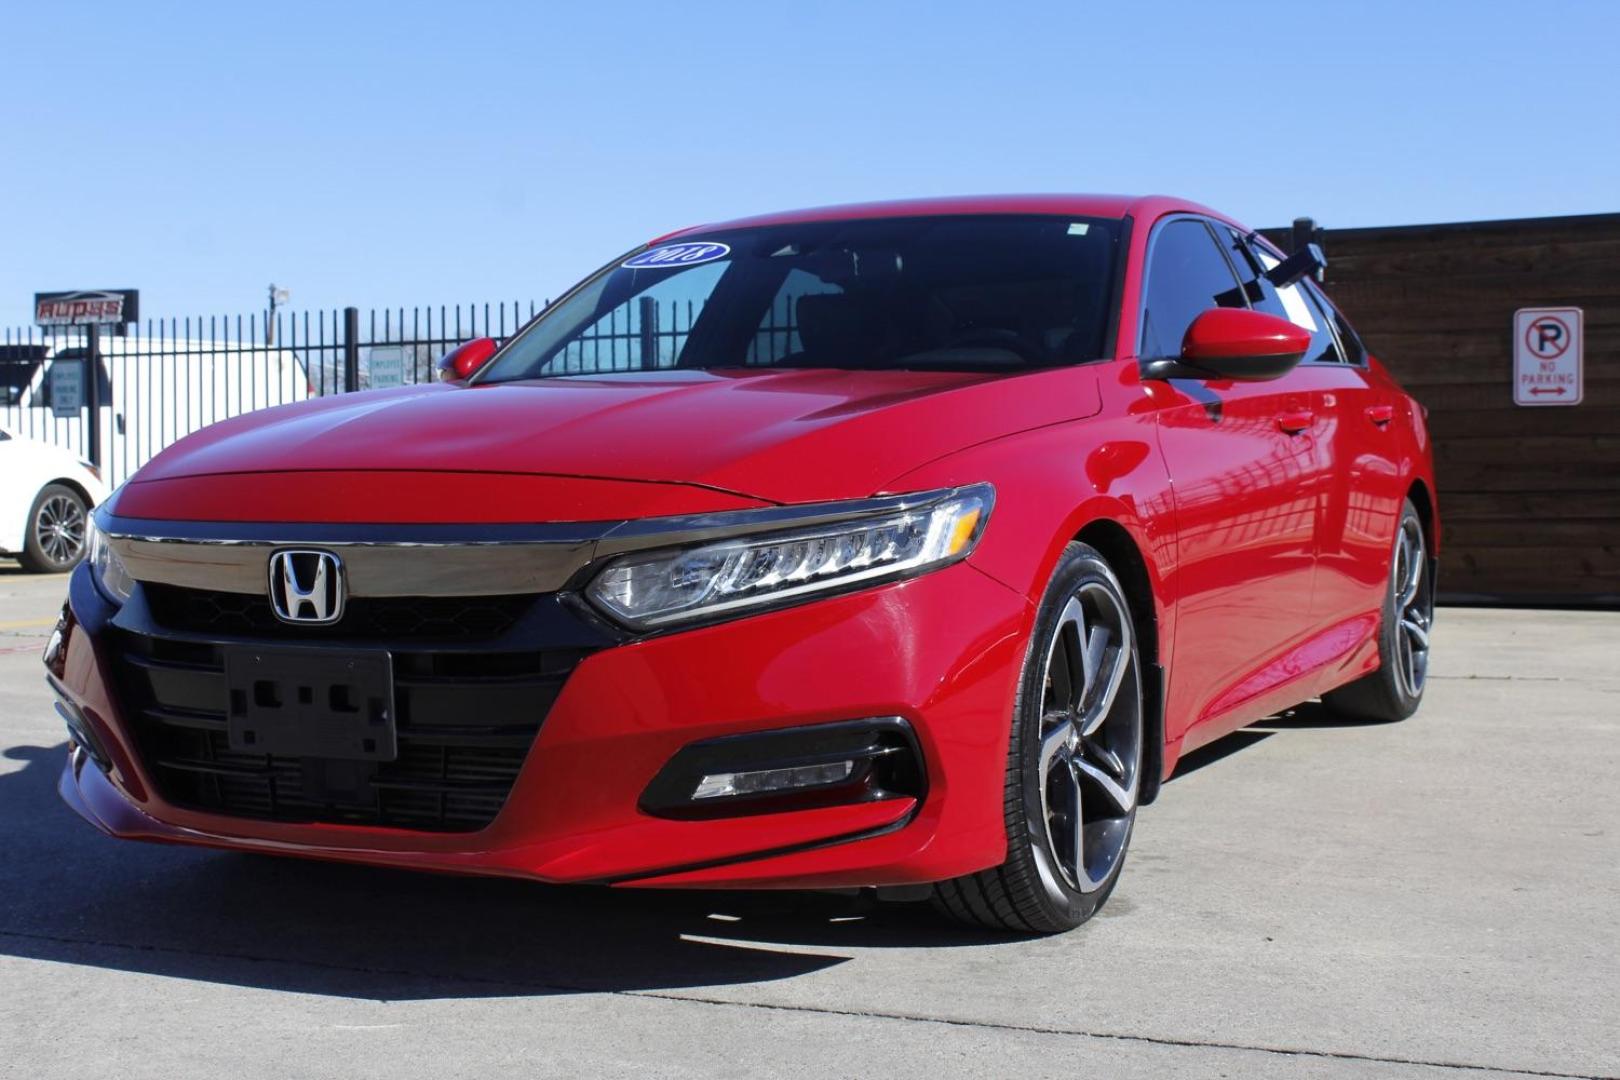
{"type": "Point", "coordinates": [1187, 275]}
{"type": "Point", "coordinates": [1350, 345]}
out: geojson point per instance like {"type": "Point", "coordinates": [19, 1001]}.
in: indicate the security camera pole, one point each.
{"type": "Point", "coordinates": [278, 297]}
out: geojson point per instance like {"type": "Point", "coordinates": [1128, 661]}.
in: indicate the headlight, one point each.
{"type": "Point", "coordinates": [700, 582]}
{"type": "Point", "coordinates": [108, 567]}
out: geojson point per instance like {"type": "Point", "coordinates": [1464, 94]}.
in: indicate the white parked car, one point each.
{"type": "Point", "coordinates": [153, 390]}
{"type": "Point", "coordinates": [46, 494]}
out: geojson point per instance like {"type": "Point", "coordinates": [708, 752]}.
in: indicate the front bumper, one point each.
{"type": "Point", "coordinates": [942, 651]}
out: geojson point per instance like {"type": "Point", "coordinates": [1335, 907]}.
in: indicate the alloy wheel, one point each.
{"type": "Point", "coordinates": [59, 529]}
{"type": "Point", "coordinates": [1414, 609]}
{"type": "Point", "coordinates": [1091, 738]}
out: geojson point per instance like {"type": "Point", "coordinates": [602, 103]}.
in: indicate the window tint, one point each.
{"type": "Point", "coordinates": [1187, 275]}
{"type": "Point", "coordinates": [1300, 308]}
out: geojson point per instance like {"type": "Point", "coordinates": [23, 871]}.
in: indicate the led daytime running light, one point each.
{"type": "Point", "coordinates": [657, 589]}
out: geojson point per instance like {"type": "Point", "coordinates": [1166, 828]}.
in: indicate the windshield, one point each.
{"type": "Point", "coordinates": [993, 293]}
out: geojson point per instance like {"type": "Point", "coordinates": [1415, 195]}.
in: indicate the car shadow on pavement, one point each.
{"type": "Point", "coordinates": [1311, 715]}
{"type": "Point", "coordinates": [71, 895]}
{"type": "Point", "coordinates": [1219, 750]}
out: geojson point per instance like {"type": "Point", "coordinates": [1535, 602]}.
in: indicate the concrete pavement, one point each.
{"type": "Point", "coordinates": [1438, 898]}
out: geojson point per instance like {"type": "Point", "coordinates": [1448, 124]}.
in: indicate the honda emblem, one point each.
{"type": "Point", "coordinates": [306, 587]}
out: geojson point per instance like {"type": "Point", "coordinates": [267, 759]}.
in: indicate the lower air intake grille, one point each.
{"type": "Point", "coordinates": [465, 723]}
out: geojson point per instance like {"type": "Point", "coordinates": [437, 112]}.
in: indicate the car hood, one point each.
{"type": "Point", "coordinates": [779, 436]}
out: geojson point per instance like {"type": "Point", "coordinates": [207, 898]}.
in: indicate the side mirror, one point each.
{"type": "Point", "coordinates": [465, 359]}
{"type": "Point", "coordinates": [1234, 343]}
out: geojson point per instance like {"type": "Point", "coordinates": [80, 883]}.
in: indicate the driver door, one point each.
{"type": "Point", "coordinates": [1244, 471]}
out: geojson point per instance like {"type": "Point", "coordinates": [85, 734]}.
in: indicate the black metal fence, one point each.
{"type": "Point", "coordinates": [166, 378]}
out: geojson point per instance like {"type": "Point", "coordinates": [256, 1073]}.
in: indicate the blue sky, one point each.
{"type": "Point", "coordinates": [401, 154]}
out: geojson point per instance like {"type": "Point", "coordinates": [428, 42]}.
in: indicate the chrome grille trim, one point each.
{"type": "Point", "coordinates": [447, 560]}
{"type": "Point", "coordinates": [374, 569]}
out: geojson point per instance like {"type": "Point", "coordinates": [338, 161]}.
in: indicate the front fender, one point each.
{"type": "Point", "coordinates": [1054, 481]}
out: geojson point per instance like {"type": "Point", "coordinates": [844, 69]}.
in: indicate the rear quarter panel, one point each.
{"type": "Point", "coordinates": [1416, 445]}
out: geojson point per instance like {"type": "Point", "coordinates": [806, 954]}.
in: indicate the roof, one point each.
{"type": "Point", "coordinates": [1100, 206]}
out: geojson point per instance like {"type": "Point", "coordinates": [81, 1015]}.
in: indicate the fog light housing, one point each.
{"type": "Point", "coordinates": [81, 733]}
{"type": "Point", "coordinates": [852, 761]}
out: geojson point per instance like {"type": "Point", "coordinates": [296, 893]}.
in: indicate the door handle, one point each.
{"type": "Point", "coordinates": [1380, 414]}
{"type": "Point", "coordinates": [1296, 422]}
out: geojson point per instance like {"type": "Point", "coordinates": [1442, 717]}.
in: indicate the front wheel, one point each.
{"type": "Point", "coordinates": [1074, 761]}
{"type": "Point", "coordinates": [56, 531]}
{"type": "Point", "coordinates": [1395, 690]}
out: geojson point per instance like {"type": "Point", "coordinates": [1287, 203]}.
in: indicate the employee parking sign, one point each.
{"type": "Point", "coordinates": [386, 366]}
{"type": "Point", "coordinates": [67, 388]}
{"type": "Point", "coordinates": [1547, 345]}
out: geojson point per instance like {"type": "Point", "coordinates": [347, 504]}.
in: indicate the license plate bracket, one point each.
{"type": "Point", "coordinates": [300, 702]}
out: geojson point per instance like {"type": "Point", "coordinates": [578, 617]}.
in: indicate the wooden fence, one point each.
{"type": "Point", "coordinates": [1529, 497]}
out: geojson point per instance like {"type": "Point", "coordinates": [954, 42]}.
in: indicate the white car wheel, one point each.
{"type": "Point", "coordinates": [57, 528]}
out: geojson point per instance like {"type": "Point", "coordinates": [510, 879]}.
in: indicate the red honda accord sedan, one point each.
{"type": "Point", "coordinates": [903, 545]}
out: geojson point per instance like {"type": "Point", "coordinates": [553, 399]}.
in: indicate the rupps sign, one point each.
{"type": "Point", "coordinates": [86, 307]}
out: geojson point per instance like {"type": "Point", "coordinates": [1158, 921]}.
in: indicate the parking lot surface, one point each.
{"type": "Point", "coordinates": [1437, 898]}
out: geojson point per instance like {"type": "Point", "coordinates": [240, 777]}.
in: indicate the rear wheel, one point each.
{"type": "Point", "coordinates": [1395, 690]}
{"type": "Point", "coordinates": [1073, 765]}
{"type": "Point", "coordinates": [56, 531]}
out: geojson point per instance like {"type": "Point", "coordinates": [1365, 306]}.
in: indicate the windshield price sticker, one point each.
{"type": "Point", "coordinates": [1547, 356]}
{"type": "Point", "coordinates": [677, 255]}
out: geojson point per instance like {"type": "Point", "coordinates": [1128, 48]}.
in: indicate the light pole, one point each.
{"type": "Point", "coordinates": [278, 297]}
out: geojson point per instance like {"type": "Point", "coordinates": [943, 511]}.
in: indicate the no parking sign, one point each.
{"type": "Point", "coordinates": [1547, 349]}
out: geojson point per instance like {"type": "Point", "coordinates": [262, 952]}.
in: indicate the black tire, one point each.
{"type": "Point", "coordinates": [1035, 890]}
{"type": "Point", "coordinates": [56, 531]}
{"type": "Point", "coordinates": [1395, 690]}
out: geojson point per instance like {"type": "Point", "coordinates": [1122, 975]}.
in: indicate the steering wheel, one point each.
{"type": "Point", "coordinates": [993, 337]}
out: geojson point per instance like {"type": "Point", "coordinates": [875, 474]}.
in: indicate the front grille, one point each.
{"type": "Point", "coordinates": [446, 618]}
{"type": "Point", "coordinates": [465, 722]}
